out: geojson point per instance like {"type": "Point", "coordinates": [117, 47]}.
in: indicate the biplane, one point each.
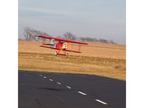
{"type": "Point", "coordinates": [60, 45]}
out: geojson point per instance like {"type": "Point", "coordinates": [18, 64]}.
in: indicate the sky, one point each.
{"type": "Point", "coordinates": [104, 19]}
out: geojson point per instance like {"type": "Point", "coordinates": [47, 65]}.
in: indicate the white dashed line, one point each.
{"type": "Point", "coordinates": [59, 83]}
{"type": "Point", "coordinates": [68, 87]}
{"type": "Point", "coordinates": [79, 92]}
{"type": "Point", "coordinates": [82, 93]}
{"type": "Point", "coordinates": [51, 79]}
{"type": "Point", "coordinates": [61, 99]}
{"type": "Point", "coordinates": [100, 101]}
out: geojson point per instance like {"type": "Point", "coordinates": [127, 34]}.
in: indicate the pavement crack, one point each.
{"type": "Point", "coordinates": [39, 103]}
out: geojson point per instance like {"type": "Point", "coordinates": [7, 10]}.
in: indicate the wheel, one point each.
{"type": "Point", "coordinates": [67, 55]}
{"type": "Point", "coordinates": [56, 53]}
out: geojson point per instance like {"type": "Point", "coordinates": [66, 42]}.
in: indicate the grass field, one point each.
{"type": "Point", "coordinates": [96, 59]}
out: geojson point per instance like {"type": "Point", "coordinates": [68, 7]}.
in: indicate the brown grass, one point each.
{"type": "Point", "coordinates": [96, 59]}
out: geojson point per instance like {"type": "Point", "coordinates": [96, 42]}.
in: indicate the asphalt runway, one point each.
{"type": "Point", "coordinates": [54, 90]}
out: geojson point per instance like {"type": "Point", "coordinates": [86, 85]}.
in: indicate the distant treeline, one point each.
{"type": "Point", "coordinates": [31, 35]}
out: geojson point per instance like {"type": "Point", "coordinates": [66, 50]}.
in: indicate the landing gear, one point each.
{"type": "Point", "coordinates": [56, 53]}
{"type": "Point", "coordinates": [66, 55]}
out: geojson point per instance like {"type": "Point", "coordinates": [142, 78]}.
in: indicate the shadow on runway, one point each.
{"type": "Point", "coordinates": [52, 89]}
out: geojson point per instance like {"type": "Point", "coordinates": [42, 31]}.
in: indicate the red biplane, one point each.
{"type": "Point", "coordinates": [60, 45]}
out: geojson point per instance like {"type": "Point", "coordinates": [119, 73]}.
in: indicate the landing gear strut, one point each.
{"type": "Point", "coordinates": [58, 53]}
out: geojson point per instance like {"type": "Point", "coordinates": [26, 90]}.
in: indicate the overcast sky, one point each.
{"type": "Point", "coordinates": [84, 18]}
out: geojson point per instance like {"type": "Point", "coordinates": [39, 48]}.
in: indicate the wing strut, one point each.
{"type": "Point", "coordinates": [79, 47]}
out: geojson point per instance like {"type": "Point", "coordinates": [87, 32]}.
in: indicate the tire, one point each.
{"type": "Point", "coordinates": [56, 53]}
{"type": "Point", "coordinates": [67, 55]}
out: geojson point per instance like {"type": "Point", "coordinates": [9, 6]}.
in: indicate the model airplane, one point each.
{"type": "Point", "coordinates": [60, 44]}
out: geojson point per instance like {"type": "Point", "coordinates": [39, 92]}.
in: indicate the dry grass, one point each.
{"type": "Point", "coordinates": [97, 59]}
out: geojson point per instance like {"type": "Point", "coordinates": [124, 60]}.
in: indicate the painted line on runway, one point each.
{"type": "Point", "coordinates": [51, 79]}
{"type": "Point", "coordinates": [68, 87]}
{"type": "Point", "coordinates": [82, 93]}
{"type": "Point", "coordinates": [40, 74]}
{"type": "Point", "coordinates": [61, 99]}
{"type": "Point", "coordinates": [59, 83]}
{"type": "Point", "coordinates": [44, 76]}
{"type": "Point", "coordinates": [101, 101]}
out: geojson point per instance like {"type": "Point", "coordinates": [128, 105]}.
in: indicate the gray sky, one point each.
{"type": "Point", "coordinates": [84, 18]}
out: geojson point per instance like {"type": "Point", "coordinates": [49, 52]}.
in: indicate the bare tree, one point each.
{"type": "Point", "coordinates": [88, 39]}
{"type": "Point", "coordinates": [112, 42]}
{"type": "Point", "coordinates": [27, 34]}
{"type": "Point", "coordinates": [103, 41]}
{"type": "Point", "coordinates": [31, 34]}
{"type": "Point", "coordinates": [69, 36]}
{"type": "Point", "coordinates": [82, 39]}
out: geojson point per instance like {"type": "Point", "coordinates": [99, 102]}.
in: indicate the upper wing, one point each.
{"type": "Point", "coordinates": [61, 39]}
{"type": "Point", "coordinates": [46, 37]}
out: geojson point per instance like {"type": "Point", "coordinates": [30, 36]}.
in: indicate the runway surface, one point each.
{"type": "Point", "coordinates": [54, 90]}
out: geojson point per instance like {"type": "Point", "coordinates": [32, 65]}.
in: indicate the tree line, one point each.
{"type": "Point", "coordinates": [31, 35]}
